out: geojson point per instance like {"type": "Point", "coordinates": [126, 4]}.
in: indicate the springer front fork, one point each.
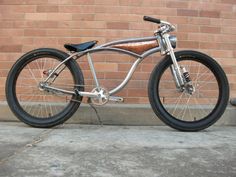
{"type": "Point", "coordinates": [180, 74]}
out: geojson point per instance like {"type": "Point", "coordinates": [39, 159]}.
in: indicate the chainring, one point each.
{"type": "Point", "coordinates": [103, 96]}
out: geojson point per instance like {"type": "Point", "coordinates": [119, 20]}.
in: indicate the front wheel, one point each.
{"type": "Point", "coordinates": [178, 108]}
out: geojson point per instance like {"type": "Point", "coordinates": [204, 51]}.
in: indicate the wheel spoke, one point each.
{"type": "Point", "coordinates": [186, 107]}
{"type": "Point", "coordinates": [178, 100]}
{"type": "Point", "coordinates": [37, 82]}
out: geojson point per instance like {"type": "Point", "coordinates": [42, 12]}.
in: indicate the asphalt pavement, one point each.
{"type": "Point", "coordinates": [122, 151]}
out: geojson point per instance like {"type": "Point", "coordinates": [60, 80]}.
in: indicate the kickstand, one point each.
{"type": "Point", "coordinates": [95, 110]}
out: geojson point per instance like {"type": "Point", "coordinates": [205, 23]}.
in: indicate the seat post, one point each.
{"type": "Point", "coordinates": [92, 70]}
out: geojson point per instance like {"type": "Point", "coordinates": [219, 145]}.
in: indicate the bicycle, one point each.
{"type": "Point", "coordinates": [187, 90]}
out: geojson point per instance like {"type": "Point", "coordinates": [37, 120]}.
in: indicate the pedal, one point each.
{"type": "Point", "coordinates": [116, 99]}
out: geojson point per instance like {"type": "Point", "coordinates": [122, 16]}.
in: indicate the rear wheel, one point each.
{"type": "Point", "coordinates": [184, 111]}
{"type": "Point", "coordinates": [36, 106]}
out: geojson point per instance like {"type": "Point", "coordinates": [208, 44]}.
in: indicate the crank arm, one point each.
{"type": "Point", "coordinates": [116, 99]}
{"type": "Point", "coordinates": [88, 94]}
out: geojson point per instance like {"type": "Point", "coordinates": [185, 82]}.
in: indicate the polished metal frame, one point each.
{"type": "Point", "coordinates": [166, 43]}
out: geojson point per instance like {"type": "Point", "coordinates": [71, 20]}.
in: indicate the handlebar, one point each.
{"type": "Point", "coordinates": [151, 19]}
{"type": "Point", "coordinates": [165, 27]}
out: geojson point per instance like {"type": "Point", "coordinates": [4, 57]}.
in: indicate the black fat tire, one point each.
{"type": "Point", "coordinates": [13, 103]}
{"type": "Point", "coordinates": [169, 119]}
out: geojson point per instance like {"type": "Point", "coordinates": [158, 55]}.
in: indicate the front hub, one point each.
{"type": "Point", "coordinates": [189, 88]}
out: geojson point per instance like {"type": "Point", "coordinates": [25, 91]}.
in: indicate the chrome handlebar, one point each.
{"type": "Point", "coordinates": [165, 27]}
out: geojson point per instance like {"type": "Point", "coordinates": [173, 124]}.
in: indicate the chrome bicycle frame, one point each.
{"type": "Point", "coordinates": [165, 47]}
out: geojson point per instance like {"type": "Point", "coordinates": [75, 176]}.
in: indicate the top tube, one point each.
{"type": "Point", "coordinates": [122, 41]}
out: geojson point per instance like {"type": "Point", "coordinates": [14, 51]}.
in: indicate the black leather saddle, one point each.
{"type": "Point", "coordinates": [80, 47]}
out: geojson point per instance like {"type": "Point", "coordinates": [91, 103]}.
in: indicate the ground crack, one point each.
{"type": "Point", "coordinates": [39, 138]}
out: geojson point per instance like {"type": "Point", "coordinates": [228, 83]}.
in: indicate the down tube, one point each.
{"type": "Point", "coordinates": [132, 69]}
{"type": "Point", "coordinates": [127, 78]}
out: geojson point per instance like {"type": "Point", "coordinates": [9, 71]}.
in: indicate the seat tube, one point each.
{"type": "Point", "coordinates": [92, 69]}
{"type": "Point", "coordinates": [173, 58]}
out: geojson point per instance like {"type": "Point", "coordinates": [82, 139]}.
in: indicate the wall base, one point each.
{"type": "Point", "coordinates": [119, 114]}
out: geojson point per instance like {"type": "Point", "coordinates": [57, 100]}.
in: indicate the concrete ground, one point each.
{"type": "Point", "coordinates": [92, 150]}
